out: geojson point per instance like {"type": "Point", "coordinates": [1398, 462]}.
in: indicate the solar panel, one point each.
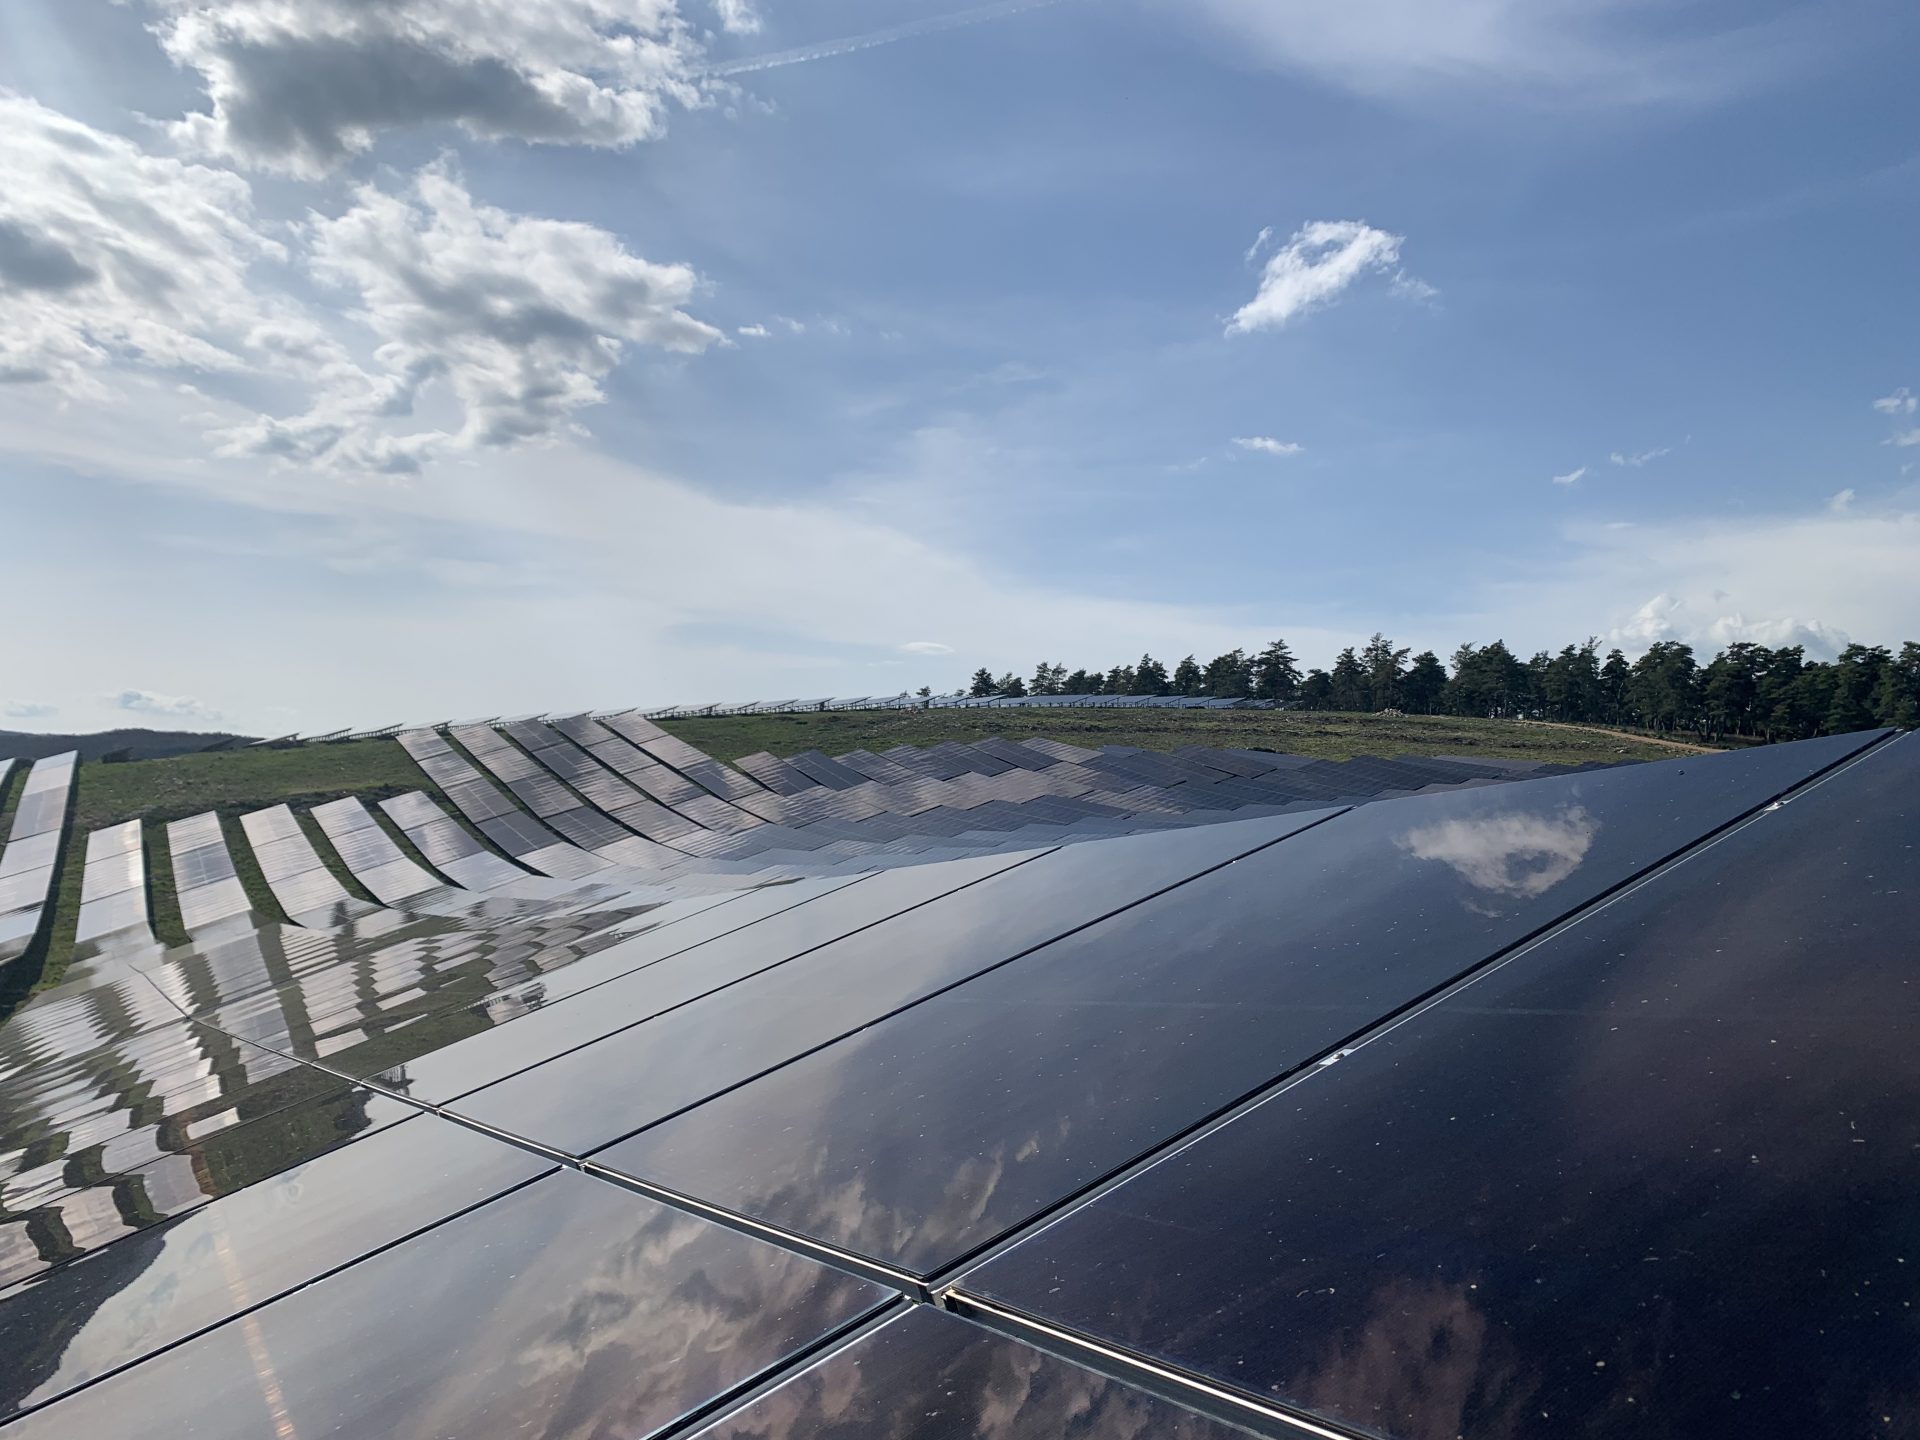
{"type": "Point", "coordinates": [923, 1107]}
{"type": "Point", "coordinates": [1564, 1177]}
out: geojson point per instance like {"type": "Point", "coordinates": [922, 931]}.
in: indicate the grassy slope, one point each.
{"type": "Point", "coordinates": [1325, 736]}
{"type": "Point", "coordinates": [233, 783]}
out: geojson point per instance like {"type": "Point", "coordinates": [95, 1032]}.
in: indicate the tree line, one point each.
{"type": "Point", "coordinates": [1745, 690]}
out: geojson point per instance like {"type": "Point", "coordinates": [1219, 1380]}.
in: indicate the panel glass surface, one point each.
{"type": "Point", "coordinates": [1038, 1079]}
{"type": "Point", "coordinates": [1657, 1177]}
{"type": "Point", "coordinates": [439, 1074]}
{"type": "Point", "coordinates": [150, 1289]}
{"type": "Point", "coordinates": [610, 1088]}
{"type": "Point", "coordinates": [930, 1376]}
{"type": "Point", "coordinates": [569, 1307]}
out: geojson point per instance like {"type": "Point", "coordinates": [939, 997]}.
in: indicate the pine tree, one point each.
{"type": "Point", "coordinates": [1150, 678]}
{"type": "Point", "coordinates": [1011, 686]}
{"type": "Point", "coordinates": [1384, 666]}
{"type": "Point", "coordinates": [1229, 676]}
{"type": "Point", "coordinates": [1424, 684]}
{"type": "Point", "coordinates": [1188, 678]}
{"type": "Point", "coordinates": [1349, 681]}
{"type": "Point", "coordinates": [982, 683]}
{"type": "Point", "coordinates": [1276, 674]}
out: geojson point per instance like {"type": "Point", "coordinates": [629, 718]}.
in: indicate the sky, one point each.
{"type": "Point", "coordinates": [379, 361]}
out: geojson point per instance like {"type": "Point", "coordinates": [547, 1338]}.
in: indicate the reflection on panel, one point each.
{"type": "Point", "coordinates": [1657, 1174]}
{"type": "Point", "coordinates": [567, 1301]}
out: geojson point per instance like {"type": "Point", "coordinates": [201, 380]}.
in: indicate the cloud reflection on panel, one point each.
{"type": "Point", "coordinates": [1513, 856]}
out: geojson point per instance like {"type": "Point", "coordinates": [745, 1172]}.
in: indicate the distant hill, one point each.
{"type": "Point", "coordinates": [140, 744]}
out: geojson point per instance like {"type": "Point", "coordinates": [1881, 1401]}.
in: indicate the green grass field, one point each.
{"type": "Point", "coordinates": [234, 782]}
{"type": "Point", "coordinates": [1323, 736]}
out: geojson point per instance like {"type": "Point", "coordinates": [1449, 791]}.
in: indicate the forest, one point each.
{"type": "Point", "coordinates": [1746, 690]}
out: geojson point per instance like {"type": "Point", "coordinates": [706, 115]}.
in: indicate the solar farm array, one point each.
{"type": "Point", "coordinates": [1007, 1089]}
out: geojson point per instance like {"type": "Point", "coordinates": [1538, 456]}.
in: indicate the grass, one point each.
{"type": "Point", "coordinates": [232, 783]}
{"type": "Point", "coordinates": [1324, 736]}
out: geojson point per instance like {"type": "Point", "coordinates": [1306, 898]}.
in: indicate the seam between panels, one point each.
{"type": "Point", "coordinates": [947, 988]}
{"type": "Point", "coordinates": [953, 1273]}
{"type": "Point", "coordinates": [807, 1358]}
{"type": "Point", "coordinates": [693, 1000]}
{"type": "Point", "coordinates": [1169, 1382]}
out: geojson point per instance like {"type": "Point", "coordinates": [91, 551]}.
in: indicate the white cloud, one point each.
{"type": "Point", "coordinates": [752, 332]}
{"type": "Point", "coordinates": [1901, 402]}
{"type": "Point", "coordinates": [1267, 445]}
{"type": "Point", "coordinates": [27, 710]}
{"type": "Point", "coordinates": [1572, 477]}
{"type": "Point", "coordinates": [1318, 262]}
{"type": "Point", "coordinates": [1589, 50]}
{"type": "Point", "coordinates": [1636, 459]}
{"type": "Point", "coordinates": [172, 707]}
{"type": "Point", "coordinates": [518, 317]}
{"type": "Point", "coordinates": [109, 255]}
{"type": "Point", "coordinates": [1260, 242]}
{"type": "Point", "coordinates": [1840, 502]}
{"type": "Point", "coordinates": [1904, 438]}
{"type": "Point", "coordinates": [737, 17]}
{"type": "Point", "coordinates": [926, 647]}
{"type": "Point", "coordinates": [1816, 579]}
{"type": "Point", "coordinates": [302, 86]}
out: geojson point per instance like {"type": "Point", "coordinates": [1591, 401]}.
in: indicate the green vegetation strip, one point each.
{"type": "Point", "coordinates": [1323, 735]}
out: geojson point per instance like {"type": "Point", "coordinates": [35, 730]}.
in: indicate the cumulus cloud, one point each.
{"type": "Point", "coordinates": [1636, 459]}
{"type": "Point", "coordinates": [752, 332]}
{"type": "Point", "coordinates": [300, 87]}
{"type": "Point", "coordinates": [172, 707]}
{"type": "Point", "coordinates": [1319, 261]}
{"type": "Point", "coordinates": [109, 255]}
{"type": "Point", "coordinates": [1572, 477]}
{"type": "Point", "coordinates": [1901, 402]}
{"type": "Point", "coordinates": [737, 17]}
{"type": "Point", "coordinates": [926, 647]}
{"type": "Point", "coordinates": [1267, 445]}
{"type": "Point", "coordinates": [1840, 502]}
{"type": "Point", "coordinates": [518, 317]}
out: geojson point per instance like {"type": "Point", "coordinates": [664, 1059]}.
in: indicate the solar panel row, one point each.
{"type": "Point", "coordinates": [1458, 1112]}
{"type": "Point", "coordinates": [32, 853]}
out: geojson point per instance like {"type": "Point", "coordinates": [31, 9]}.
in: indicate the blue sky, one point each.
{"type": "Point", "coordinates": [369, 363]}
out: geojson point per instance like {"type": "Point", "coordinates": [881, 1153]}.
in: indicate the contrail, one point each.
{"type": "Point", "coordinates": [932, 25]}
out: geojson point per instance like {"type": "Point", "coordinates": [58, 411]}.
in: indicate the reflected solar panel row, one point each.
{"type": "Point", "coordinates": [205, 883]}
{"type": "Point", "coordinates": [113, 892]}
{"type": "Point", "coordinates": [32, 852]}
{"type": "Point", "coordinates": [447, 846]}
{"type": "Point", "coordinates": [371, 855]}
{"type": "Point", "coordinates": [524, 838]}
{"type": "Point", "coordinates": [301, 882]}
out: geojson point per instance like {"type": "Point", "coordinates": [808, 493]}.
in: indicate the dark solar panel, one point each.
{"type": "Point", "coordinates": [1093, 1050]}
{"type": "Point", "coordinates": [1460, 1114]}
{"type": "Point", "coordinates": [1657, 1167]}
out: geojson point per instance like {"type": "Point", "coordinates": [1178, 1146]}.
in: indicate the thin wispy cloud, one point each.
{"type": "Point", "coordinates": [1572, 477]}
{"type": "Point", "coordinates": [1901, 402]}
{"type": "Point", "coordinates": [926, 647]}
{"type": "Point", "coordinates": [1636, 459]}
{"type": "Point", "coordinates": [873, 39]}
{"type": "Point", "coordinates": [1267, 445]}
